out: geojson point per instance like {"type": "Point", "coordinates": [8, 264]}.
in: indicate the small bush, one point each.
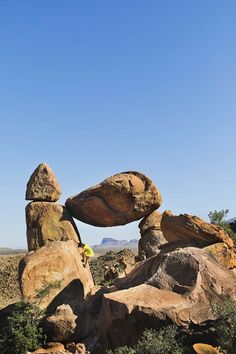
{"type": "Point", "coordinates": [225, 325]}
{"type": "Point", "coordinates": [22, 331]}
{"type": "Point", "coordinates": [154, 342]}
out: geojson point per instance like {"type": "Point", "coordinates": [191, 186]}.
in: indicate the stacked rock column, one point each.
{"type": "Point", "coordinates": [46, 220]}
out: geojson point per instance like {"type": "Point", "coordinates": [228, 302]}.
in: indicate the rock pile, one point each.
{"type": "Point", "coordinates": [52, 273]}
{"type": "Point", "coordinates": [186, 263]}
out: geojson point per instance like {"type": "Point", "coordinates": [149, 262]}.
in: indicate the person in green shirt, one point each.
{"type": "Point", "coordinates": [86, 253]}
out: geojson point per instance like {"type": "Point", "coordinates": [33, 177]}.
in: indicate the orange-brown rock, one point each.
{"type": "Point", "coordinates": [48, 222]}
{"type": "Point", "coordinates": [52, 348]}
{"type": "Point", "coordinates": [61, 326]}
{"type": "Point", "coordinates": [151, 236]}
{"type": "Point", "coordinates": [150, 222]}
{"type": "Point", "coordinates": [223, 254]}
{"type": "Point", "coordinates": [55, 270]}
{"type": "Point", "coordinates": [43, 185]}
{"type": "Point", "coordinates": [202, 348]}
{"type": "Point", "coordinates": [118, 200]}
{"type": "Point", "coordinates": [188, 228]}
{"type": "Point", "coordinates": [178, 286]}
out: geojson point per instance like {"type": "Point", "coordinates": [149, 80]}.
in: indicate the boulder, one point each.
{"type": "Point", "coordinates": [43, 185]}
{"type": "Point", "coordinates": [174, 287]}
{"type": "Point", "coordinates": [52, 348]}
{"type": "Point", "coordinates": [202, 348]}
{"type": "Point", "coordinates": [48, 222]}
{"type": "Point", "coordinates": [223, 254]}
{"type": "Point", "coordinates": [118, 200]}
{"type": "Point", "coordinates": [150, 222]}
{"type": "Point", "coordinates": [151, 236]}
{"type": "Point", "coordinates": [189, 228]}
{"type": "Point", "coordinates": [54, 275]}
{"type": "Point", "coordinates": [61, 326]}
{"type": "Point", "coordinates": [149, 244]}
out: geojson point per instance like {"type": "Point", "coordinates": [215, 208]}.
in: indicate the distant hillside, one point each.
{"type": "Point", "coordinates": [111, 242]}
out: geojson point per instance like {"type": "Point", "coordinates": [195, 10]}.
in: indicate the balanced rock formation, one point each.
{"type": "Point", "coordinates": [118, 200]}
{"type": "Point", "coordinates": [55, 271]}
{"type": "Point", "coordinates": [48, 222]}
{"type": "Point", "coordinates": [43, 185]}
{"type": "Point", "coordinates": [186, 228]}
{"type": "Point", "coordinates": [178, 287]}
{"type": "Point", "coordinates": [151, 236]}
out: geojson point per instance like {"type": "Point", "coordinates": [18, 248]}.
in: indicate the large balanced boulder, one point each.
{"type": "Point", "coordinates": [188, 228]}
{"type": "Point", "coordinates": [48, 222]}
{"type": "Point", "coordinates": [174, 287]}
{"type": "Point", "coordinates": [151, 236]}
{"type": "Point", "coordinates": [118, 200]}
{"type": "Point", "coordinates": [43, 185]}
{"type": "Point", "coordinates": [54, 275]}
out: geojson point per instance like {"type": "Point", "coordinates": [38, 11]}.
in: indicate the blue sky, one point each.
{"type": "Point", "coordinates": [94, 88]}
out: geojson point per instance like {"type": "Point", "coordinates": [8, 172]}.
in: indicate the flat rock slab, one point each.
{"type": "Point", "coordinates": [43, 185]}
{"type": "Point", "coordinates": [48, 222]}
{"type": "Point", "coordinates": [54, 274]}
{"type": "Point", "coordinates": [187, 228]}
{"type": "Point", "coordinates": [118, 200]}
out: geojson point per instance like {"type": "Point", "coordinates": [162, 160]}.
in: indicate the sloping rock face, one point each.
{"type": "Point", "coordinates": [43, 185]}
{"type": "Point", "coordinates": [118, 200]}
{"type": "Point", "coordinates": [223, 254]}
{"type": "Point", "coordinates": [151, 236]}
{"type": "Point", "coordinates": [178, 287]}
{"type": "Point", "coordinates": [48, 222]}
{"type": "Point", "coordinates": [188, 228]}
{"type": "Point", "coordinates": [57, 272]}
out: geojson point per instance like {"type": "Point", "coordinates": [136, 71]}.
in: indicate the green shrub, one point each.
{"type": "Point", "coordinates": [154, 342]}
{"type": "Point", "coordinates": [218, 218]}
{"type": "Point", "coordinates": [225, 325]}
{"type": "Point", "coordinates": [22, 331]}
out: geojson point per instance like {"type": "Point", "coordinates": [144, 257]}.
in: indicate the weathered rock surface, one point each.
{"type": "Point", "coordinates": [56, 270]}
{"type": "Point", "coordinates": [118, 200]}
{"type": "Point", "coordinates": [189, 228]}
{"type": "Point", "coordinates": [43, 185]}
{"type": "Point", "coordinates": [151, 236]}
{"type": "Point", "coordinates": [48, 222]}
{"type": "Point", "coordinates": [178, 286]}
{"type": "Point", "coordinates": [149, 244]}
{"type": "Point", "coordinates": [223, 254]}
{"type": "Point", "coordinates": [150, 222]}
{"type": "Point", "coordinates": [60, 326]}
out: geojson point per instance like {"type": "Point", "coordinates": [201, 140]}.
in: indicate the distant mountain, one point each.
{"type": "Point", "coordinates": [111, 242]}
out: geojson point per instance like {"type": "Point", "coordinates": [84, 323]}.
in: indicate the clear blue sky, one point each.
{"type": "Point", "coordinates": [94, 88]}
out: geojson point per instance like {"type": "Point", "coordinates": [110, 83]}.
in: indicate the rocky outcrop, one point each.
{"type": "Point", "coordinates": [178, 287]}
{"type": "Point", "coordinates": [43, 185]}
{"type": "Point", "coordinates": [151, 236]}
{"type": "Point", "coordinates": [48, 222]}
{"type": "Point", "coordinates": [118, 200]}
{"type": "Point", "coordinates": [54, 275]}
{"type": "Point", "coordinates": [188, 228]}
